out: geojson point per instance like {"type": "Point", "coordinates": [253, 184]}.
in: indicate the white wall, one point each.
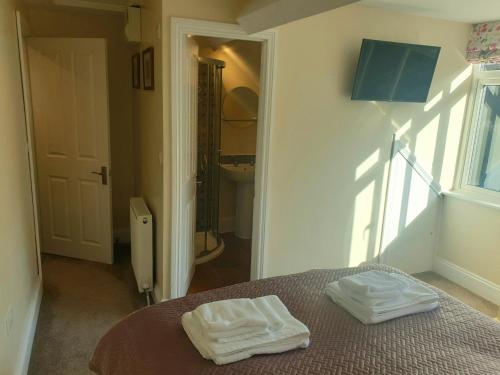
{"type": "Point", "coordinates": [148, 134]}
{"type": "Point", "coordinates": [470, 238]}
{"type": "Point", "coordinates": [329, 155]}
{"type": "Point", "coordinates": [18, 268]}
{"type": "Point", "coordinates": [243, 59]}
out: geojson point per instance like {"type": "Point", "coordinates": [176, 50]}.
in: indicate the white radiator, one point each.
{"type": "Point", "coordinates": [141, 238]}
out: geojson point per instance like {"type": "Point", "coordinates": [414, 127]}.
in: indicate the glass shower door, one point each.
{"type": "Point", "coordinates": [209, 122]}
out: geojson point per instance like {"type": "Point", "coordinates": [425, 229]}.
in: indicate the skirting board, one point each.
{"type": "Point", "coordinates": [468, 280]}
{"type": "Point", "coordinates": [226, 224]}
{"type": "Point", "coordinates": [27, 342]}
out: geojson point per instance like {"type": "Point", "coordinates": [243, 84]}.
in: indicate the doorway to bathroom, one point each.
{"type": "Point", "coordinates": [227, 102]}
{"type": "Point", "coordinates": [222, 82]}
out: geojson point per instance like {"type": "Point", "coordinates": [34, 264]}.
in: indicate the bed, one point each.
{"type": "Point", "coordinates": [453, 339]}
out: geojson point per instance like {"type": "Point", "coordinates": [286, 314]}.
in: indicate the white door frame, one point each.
{"type": "Point", "coordinates": [22, 32]}
{"type": "Point", "coordinates": [181, 28]}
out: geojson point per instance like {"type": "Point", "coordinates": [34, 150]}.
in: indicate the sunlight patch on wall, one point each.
{"type": "Point", "coordinates": [368, 164]}
{"type": "Point", "coordinates": [425, 147]}
{"type": "Point", "coordinates": [245, 68]}
{"type": "Point", "coordinates": [379, 108]}
{"type": "Point", "coordinates": [452, 146]}
{"type": "Point", "coordinates": [381, 207]}
{"type": "Point", "coordinates": [394, 202]}
{"type": "Point", "coordinates": [418, 199]}
{"type": "Point", "coordinates": [462, 77]}
{"type": "Point", "coordinates": [433, 102]}
{"type": "Point", "coordinates": [362, 225]}
{"type": "Point", "coordinates": [401, 131]}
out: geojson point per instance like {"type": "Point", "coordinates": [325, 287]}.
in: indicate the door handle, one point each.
{"type": "Point", "coordinates": [104, 175]}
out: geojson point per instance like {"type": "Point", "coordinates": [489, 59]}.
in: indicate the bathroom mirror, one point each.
{"type": "Point", "coordinates": [240, 104]}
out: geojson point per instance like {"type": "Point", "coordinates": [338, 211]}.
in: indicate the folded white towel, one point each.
{"type": "Point", "coordinates": [290, 334]}
{"type": "Point", "coordinates": [410, 293]}
{"type": "Point", "coordinates": [238, 319]}
{"type": "Point", "coordinates": [227, 315]}
{"type": "Point", "coordinates": [288, 338]}
{"type": "Point", "coordinates": [411, 296]}
{"type": "Point", "coordinates": [370, 317]}
{"type": "Point", "coordinates": [372, 284]}
{"type": "Point", "coordinates": [237, 334]}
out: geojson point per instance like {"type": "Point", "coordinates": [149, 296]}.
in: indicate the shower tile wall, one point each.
{"type": "Point", "coordinates": [203, 143]}
{"type": "Point", "coordinates": [209, 100]}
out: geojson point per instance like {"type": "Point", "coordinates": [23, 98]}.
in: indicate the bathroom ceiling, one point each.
{"type": "Point", "coordinates": [472, 11]}
{"type": "Point", "coordinates": [212, 42]}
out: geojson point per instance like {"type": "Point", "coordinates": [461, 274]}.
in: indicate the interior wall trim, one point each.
{"type": "Point", "coordinates": [468, 280]}
{"type": "Point", "coordinates": [401, 148]}
{"type": "Point", "coordinates": [181, 28]}
{"type": "Point", "coordinates": [22, 33]}
{"type": "Point", "coordinates": [88, 4]}
{"type": "Point", "coordinates": [29, 336]}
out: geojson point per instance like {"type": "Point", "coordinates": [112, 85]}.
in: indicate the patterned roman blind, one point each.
{"type": "Point", "coordinates": [484, 45]}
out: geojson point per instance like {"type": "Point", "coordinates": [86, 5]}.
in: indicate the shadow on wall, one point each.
{"type": "Point", "coordinates": [433, 134]}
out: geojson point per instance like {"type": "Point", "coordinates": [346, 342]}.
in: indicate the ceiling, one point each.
{"type": "Point", "coordinates": [472, 11]}
{"type": "Point", "coordinates": [211, 42]}
{"type": "Point", "coordinates": [111, 5]}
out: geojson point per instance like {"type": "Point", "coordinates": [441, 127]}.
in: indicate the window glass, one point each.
{"type": "Point", "coordinates": [485, 171]}
{"type": "Point", "coordinates": [490, 67]}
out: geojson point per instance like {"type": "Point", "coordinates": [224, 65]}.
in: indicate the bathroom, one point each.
{"type": "Point", "coordinates": [227, 112]}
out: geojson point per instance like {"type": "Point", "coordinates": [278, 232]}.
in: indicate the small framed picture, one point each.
{"type": "Point", "coordinates": [148, 68]}
{"type": "Point", "coordinates": [136, 71]}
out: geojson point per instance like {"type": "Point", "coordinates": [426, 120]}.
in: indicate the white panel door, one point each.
{"type": "Point", "coordinates": [71, 122]}
{"type": "Point", "coordinates": [189, 137]}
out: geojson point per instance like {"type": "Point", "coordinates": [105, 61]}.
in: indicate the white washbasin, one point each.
{"type": "Point", "coordinates": [243, 175]}
{"type": "Point", "coordinates": [239, 173]}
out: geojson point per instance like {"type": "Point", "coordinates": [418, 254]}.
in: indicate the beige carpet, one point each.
{"type": "Point", "coordinates": [462, 294]}
{"type": "Point", "coordinates": [81, 301]}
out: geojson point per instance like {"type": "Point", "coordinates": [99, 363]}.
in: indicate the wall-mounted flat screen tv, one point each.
{"type": "Point", "coordinates": [394, 72]}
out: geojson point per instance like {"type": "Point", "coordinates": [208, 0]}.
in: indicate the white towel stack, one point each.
{"type": "Point", "coordinates": [377, 296]}
{"type": "Point", "coordinates": [231, 330]}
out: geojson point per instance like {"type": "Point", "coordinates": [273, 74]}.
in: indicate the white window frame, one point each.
{"type": "Point", "coordinates": [482, 195]}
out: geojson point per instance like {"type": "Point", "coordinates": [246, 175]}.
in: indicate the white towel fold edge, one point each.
{"type": "Point", "coordinates": [292, 328]}
{"type": "Point", "coordinates": [413, 294]}
{"type": "Point", "coordinates": [277, 346]}
{"type": "Point", "coordinates": [367, 318]}
{"type": "Point", "coordinates": [264, 312]}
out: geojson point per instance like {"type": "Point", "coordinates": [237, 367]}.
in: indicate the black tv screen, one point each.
{"type": "Point", "coordinates": [394, 72]}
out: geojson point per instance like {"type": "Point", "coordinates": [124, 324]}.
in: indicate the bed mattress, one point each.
{"type": "Point", "coordinates": [453, 339]}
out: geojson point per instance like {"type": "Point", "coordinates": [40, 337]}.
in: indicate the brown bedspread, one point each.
{"type": "Point", "coordinates": [454, 339]}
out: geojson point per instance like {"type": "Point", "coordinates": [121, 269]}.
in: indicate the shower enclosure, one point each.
{"type": "Point", "coordinates": [208, 244]}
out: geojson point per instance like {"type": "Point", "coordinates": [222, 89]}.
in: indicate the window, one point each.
{"type": "Point", "coordinates": [489, 67]}
{"type": "Point", "coordinates": [482, 169]}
